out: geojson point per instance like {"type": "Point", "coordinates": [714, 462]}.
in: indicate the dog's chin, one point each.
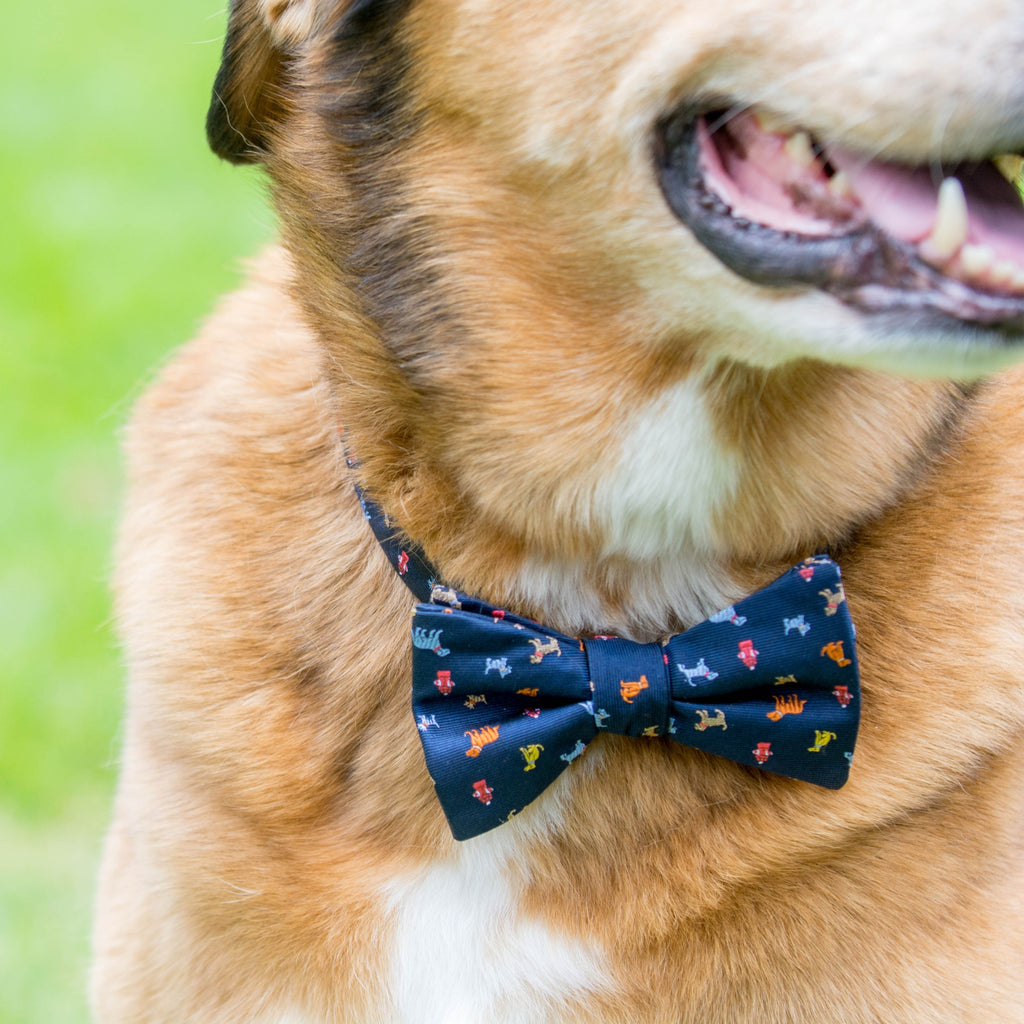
{"type": "Point", "coordinates": [919, 349]}
{"type": "Point", "coordinates": [813, 325]}
{"type": "Point", "coordinates": [916, 269]}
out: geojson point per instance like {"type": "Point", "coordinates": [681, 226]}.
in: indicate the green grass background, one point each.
{"type": "Point", "coordinates": [118, 229]}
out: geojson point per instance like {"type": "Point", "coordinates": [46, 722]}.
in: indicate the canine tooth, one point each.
{"type": "Point", "coordinates": [950, 230]}
{"type": "Point", "coordinates": [976, 259]}
{"type": "Point", "coordinates": [799, 149]}
{"type": "Point", "coordinates": [839, 185]}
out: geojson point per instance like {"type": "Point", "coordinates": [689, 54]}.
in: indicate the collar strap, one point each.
{"type": "Point", "coordinates": [411, 564]}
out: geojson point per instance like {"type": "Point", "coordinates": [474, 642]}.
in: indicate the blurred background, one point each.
{"type": "Point", "coordinates": [118, 230]}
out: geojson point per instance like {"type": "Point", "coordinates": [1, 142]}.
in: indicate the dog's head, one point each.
{"type": "Point", "coordinates": [850, 160]}
{"type": "Point", "coordinates": [550, 216]}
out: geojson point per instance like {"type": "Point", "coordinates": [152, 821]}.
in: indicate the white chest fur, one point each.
{"type": "Point", "coordinates": [670, 479]}
{"type": "Point", "coordinates": [655, 505]}
{"type": "Point", "coordinates": [464, 951]}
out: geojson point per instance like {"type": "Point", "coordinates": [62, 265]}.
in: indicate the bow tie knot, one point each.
{"type": "Point", "coordinates": [632, 686]}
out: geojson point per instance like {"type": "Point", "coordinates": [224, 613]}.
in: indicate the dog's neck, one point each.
{"type": "Point", "coordinates": [712, 488]}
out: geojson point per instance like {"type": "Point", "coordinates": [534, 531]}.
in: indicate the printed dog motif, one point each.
{"type": "Point", "coordinates": [600, 716]}
{"type": "Point", "coordinates": [479, 738]}
{"type": "Point", "coordinates": [834, 598]}
{"type": "Point", "coordinates": [699, 671]}
{"type": "Point", "coordinates": [429, 641]}
{"type": "Point", "coordinates": [445, 595]}
{"type": "Point", "coordinates": [728, 615]}
{"type": "Point", "coordinates": [821, 740]}
{"type": "Point", "coordinates": [630, 689]}
{"type": "Point", "coordinates": [708, 722]}
{"type": "Point", "coordinates": [540, 649]}
{"type": "Point", "coordinates": [791, 705]}
{"type": "Point", "coordinates": [834, 650]}
{"type": "Point", "coordinates": [531, 755]}
{"type": "Point", "coordinates": [574, 753]}
{"type": "Point", "coordinates": [797, 623]}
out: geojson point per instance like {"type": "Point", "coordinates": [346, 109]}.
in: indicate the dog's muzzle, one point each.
{"type": "Point", "coordinates": [781, 209]}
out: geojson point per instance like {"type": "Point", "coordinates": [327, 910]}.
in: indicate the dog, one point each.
{"type": "Point", "coordinates": [616, 312]}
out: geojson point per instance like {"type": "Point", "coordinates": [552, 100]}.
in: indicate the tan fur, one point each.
{"type": "Point", "coordinates": [273, 792]}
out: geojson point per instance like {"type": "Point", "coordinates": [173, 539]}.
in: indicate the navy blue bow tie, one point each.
{"type": "Point", "coordinates": [504, 705]}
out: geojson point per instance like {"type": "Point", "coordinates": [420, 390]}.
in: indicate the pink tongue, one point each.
{"type": "Point", "coordinates": [902, 201]}
{"type": "Point", "coordinates": [755, 184]}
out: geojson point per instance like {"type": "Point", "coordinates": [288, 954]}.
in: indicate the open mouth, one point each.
{"type": "Point", "coordinates": [782, 209]}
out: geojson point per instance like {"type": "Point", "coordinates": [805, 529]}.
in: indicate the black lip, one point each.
{"type": "Point", "coordinates": [864, 267]}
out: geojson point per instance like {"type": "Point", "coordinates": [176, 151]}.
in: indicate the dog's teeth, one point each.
{"type": "Point", "coordinates": [1003, 272]}
{"type": "Point", "coordinates": [978, 264]}
{"type": "Point", "coordinates": [799, 149]}
{"type": "Point", "coordinates": [950, 230]}
{"type": "Point", "coordinates": [839, 185]}
{"type": "Point", "coordinates": [974, 260]}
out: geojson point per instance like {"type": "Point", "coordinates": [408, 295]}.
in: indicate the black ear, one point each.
{"type": "Point", "coordinates": [248, 91]}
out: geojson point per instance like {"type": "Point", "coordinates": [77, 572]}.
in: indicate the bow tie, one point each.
{"type": "Point", "coordinates": [505, 705]}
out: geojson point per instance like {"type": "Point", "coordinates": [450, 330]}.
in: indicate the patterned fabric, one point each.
{"type": "Point", "coordinates": [505, 705]}
{"type": "Point", "coordinates": [408, 561]}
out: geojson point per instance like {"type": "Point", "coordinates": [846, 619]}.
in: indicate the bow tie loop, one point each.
{"type": "Point", "coordinates": [632, 686]}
